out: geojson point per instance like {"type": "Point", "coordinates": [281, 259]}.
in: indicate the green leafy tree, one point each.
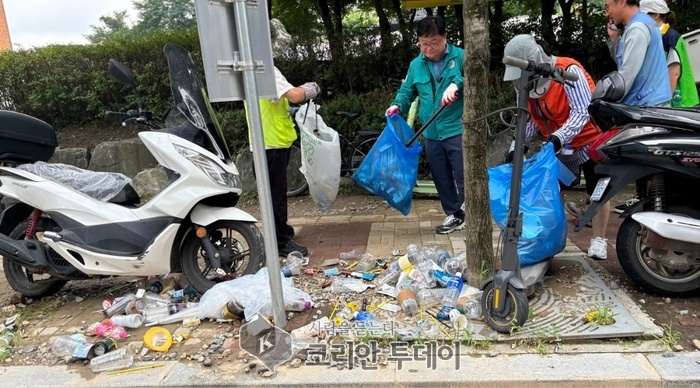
{"type": "Point", "coordinates": [113, 25]}
{"type": "Point", "coordinates": [157, 15]}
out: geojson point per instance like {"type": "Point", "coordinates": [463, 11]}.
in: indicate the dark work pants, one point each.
{"type": "Point", "coordinates": [447, 169]}
{"type": "Point", "coordinates": [277, 162]}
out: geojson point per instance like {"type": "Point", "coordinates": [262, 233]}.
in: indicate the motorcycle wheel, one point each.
{"type": "Point", "coordinates": [240, 245]}
{"type": "Point", "coordinates": [515, 313]}
{"type": "Point", "coordinates": [635, 259]}
{"type": "Point", "coordinates": [30, 284]}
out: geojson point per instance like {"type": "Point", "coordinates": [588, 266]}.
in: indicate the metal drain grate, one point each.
{"type": "Point", "coordinates": [570, 290]}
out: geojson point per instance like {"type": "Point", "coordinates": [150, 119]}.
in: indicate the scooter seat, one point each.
{"type": "Point", "coordinates": [609, 114]}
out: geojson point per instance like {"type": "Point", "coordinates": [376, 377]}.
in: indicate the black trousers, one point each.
{"type": "Point", "coordinates": [277, 162]}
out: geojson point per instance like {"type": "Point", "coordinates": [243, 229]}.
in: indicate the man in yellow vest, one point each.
{"type": "Point", "coordinates": [279, 134]}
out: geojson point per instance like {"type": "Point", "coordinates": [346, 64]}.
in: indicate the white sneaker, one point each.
{"type": "Point", "coordinates": [598, 249]}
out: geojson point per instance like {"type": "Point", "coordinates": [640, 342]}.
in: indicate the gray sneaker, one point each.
{"type": "Point", "coordinates": [450, 224]}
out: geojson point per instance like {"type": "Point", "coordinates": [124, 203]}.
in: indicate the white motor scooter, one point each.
{"type": "Point", "coordinates": [60, 223]}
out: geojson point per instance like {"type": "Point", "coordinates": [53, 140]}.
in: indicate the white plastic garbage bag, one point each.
{"type": "Point", "coordinates": [320, 156]}
{"type": "Point", "coordinates": [252, 292]}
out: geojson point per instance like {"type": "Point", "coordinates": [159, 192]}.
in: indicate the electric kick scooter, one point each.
{"type": "Point", "coordinates": [504, 298]}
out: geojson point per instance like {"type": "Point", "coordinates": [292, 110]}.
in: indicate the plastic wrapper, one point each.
{"type": "Point", "coordinates": [252, 292]}
{"type": "Point", "coordinates": [96, 184]}
{"type": "Point", "coordinates": [544, 222]}
{"type": "Point", "coordinates": [320, 156]}
{"type": "Point", "coordinates": [390, 169]}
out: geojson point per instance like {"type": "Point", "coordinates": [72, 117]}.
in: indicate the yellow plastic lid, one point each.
{"type": "Point", "coordinates": [158, 339]}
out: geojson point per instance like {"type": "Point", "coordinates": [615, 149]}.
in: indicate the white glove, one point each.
{"type": "Point", "coordinates": [392, 110]}
{"type": "Point", "coordinates": [311, 90]}
{"type": "Point", "coordinates": [450, 94]}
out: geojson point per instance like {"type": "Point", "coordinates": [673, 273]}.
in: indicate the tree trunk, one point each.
{"type": "Point", "coordinates": [384, 26]}
{"type": "Point", "coordinates": [397, 8]}
{"type": "Point", "coordinates": [547, 28]}
{"type": "Point", "coordinates": [334, 34]}
{"type": "Point", "coordinates": [479, 243]}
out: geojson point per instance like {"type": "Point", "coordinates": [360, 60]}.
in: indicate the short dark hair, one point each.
{"type": "Point", "coordinates": [633, 2]}
{"type": "Point", "coordinates": [431, 26]}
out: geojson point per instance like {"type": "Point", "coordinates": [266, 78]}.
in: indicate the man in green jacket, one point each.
{"type": "Point", "coordinates": [435, 77]}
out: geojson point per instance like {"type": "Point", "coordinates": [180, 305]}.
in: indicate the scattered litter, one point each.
{"type": "Point", "coordinates": [158, 339]}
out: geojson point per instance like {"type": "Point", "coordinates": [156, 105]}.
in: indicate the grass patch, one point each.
{"type": "Point", "coordinates": [670, 337]}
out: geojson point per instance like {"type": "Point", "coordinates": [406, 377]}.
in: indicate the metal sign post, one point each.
{"type": "Point", "coordinates": [229, 63]}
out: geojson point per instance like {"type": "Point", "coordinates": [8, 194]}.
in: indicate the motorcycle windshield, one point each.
{"type": "Point", "coordinates": [191, 98]}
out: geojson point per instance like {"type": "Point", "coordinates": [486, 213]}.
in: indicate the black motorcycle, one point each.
{"type": "Point", "coordinates": [657, 149]}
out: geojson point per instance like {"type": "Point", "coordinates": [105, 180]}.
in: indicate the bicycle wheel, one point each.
{"type": "Point", "coordinates": [296, 183]}
{"type": "Point", "coordinates": [360, 149]}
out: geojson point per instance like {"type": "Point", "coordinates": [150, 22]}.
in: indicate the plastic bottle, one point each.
{"type": "Point", "coordinates": [428, 297]}
{"type": "Point", "coordinates": [295, 260]}
{"type": "Point", "coordinates": [677, 99]}
{"type": "Point", "coordinates": [353, 254]}
{"type": "Point", "coordinates": [298, 305]}
{"type": "Point", "coordinates": [406, 297]}
{"type": "Point", "coordinates": [456, 264]}
{"type": "Point", "coordinates": [430, 253]}
{"type": "Point", "coordinates": [423, 264]}
{"type": "Point", "coordinates": [367, 262]}
{"type": "Point", "coordinates": [453, 288]}
{"type": "Point", "coordinates": [75, 345]}
{"type": "Point", "coordinates": [443, 257]}
{"type": "Point", "coordinates": [132, 320]}
{"type": "Point", "coordinates": [471, 308]}
{"type": "Point", "coordinates": [119, 305]}
{"type": "Point", "coordinates": [442, 277]}
{"type": "Point", "coordinates": [118, 359]}
{"type": "Point", "coordinates": [390, 276]}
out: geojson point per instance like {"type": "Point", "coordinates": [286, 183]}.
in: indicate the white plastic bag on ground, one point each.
{"type": "Point", "coordinates": [320, 156]}
{"type": "Point", "coordinates": [252, 292]}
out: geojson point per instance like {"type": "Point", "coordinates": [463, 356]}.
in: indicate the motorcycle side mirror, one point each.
{"type": "Point", "coordinates": [121, 73]}
{"type": "Point", "coordinates": [610, 88]}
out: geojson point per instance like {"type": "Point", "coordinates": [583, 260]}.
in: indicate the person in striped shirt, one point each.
{"type": "Point", "coordinates": [559, 114]}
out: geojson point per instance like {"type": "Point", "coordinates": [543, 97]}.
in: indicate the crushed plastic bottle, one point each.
{"type": "Point", "coordinates": [118, 359]}
{"type": "Point", "coordinates": [456, 264]}
{"type": "Point", "coordinates": [367, 262]}
{"type": "Point", "coordinates": [428, 297]}
{"type": "Point", "coordinates": [390, 276]}
{"type": "Point", "coordinates": [353, 254]}
{"type": "Point", "coordinates": [341, 285]}
{"type": "Point", "coordinates": [347, 313]}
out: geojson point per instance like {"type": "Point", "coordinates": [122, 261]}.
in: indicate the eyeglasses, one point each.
{"type": "Point", "coordinates": [607, 5]}
{"type": "Point", "coordinates": [433, 44]}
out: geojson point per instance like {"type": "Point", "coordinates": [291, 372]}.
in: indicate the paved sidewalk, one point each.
{"type": "Point", "coordinates": [609, 363]}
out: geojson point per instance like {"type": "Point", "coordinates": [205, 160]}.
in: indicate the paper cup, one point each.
{"type": "Point", "coordinates": [459, 321]}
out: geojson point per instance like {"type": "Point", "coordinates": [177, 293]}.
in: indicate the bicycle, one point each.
{"type": "Point", "coordinates": [352, 153]}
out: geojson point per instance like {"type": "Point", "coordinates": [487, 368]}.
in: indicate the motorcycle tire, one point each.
{"type": "Point", "coordinates": [23, 280]}
{"type": "Point", "coordinates": [242, 253]}
{"type": "Point", "coordinates": [646, 272]}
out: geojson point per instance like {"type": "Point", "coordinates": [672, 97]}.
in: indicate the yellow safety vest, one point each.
{"type": "Point", "coordinates": [277, 124]}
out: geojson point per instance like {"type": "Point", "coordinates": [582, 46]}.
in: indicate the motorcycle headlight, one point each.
{"type": "Point", "coordinates": [210, 167]}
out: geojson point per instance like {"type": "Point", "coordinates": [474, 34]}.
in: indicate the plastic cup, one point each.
{"type": "Point", "coordinates": [459, 321]}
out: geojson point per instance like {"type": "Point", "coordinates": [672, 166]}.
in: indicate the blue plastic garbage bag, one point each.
{"type": "Point", "coordinates": [544, 221]}
{"type": "Point", "coordinates": [390, 169]}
